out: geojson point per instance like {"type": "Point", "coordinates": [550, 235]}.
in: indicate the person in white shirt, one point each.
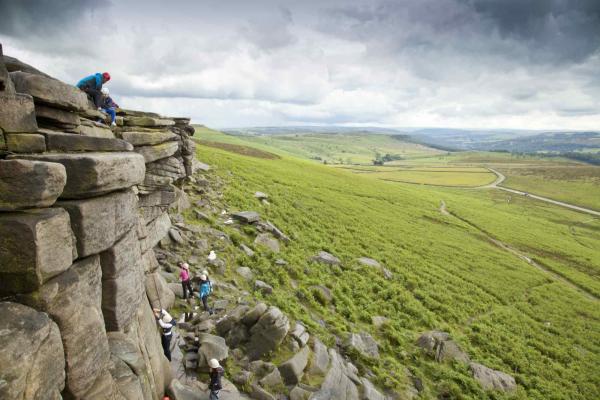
{"type": "Point", "coordinates": [167, 323]}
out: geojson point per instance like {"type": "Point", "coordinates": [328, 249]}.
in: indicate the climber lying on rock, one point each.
{"type": "Point", "coordinates": [109, 106]}
{"type": "Point", "coordinates": [92, 86]}
{"type": "Point", "coordinates": [167, 323]}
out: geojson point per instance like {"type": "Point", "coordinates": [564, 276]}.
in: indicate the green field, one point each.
{"type": "Point", "coordinates": [542, 327]}
{"type": "Point", "coordinates": [577, 184]}
{"type": "Point", "coordinates": [359, 148]}
{"type": "Point", "coordinates": [436, 176]}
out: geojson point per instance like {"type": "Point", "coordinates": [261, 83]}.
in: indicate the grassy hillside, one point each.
{"type": "Point", "coordinates": [334, 148]}
{"type": "Point", "coordinates": [447, 274]}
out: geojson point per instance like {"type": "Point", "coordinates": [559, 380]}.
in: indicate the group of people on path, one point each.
{"type": "Point", "coordinates": [93, 86]}
{"type": "Point", "coordinates": [167, 322]}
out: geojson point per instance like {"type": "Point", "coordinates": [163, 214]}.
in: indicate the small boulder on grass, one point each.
{"type": "Point", "coordinates": [326, 258]}
{"type": "Point", "coordinates": [263, 287]}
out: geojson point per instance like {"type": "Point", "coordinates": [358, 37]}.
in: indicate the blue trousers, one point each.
{"type": "Point", "coordinates": [113, 114]}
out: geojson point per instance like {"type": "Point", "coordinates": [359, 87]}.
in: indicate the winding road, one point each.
{"type": "Point", "coordinates": [500, 178]}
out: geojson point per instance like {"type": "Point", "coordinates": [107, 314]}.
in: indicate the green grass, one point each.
{"type": "Point", "coordinates": [437, 176]}
{"type": "Point", "coordinates": [577, 184]}
{"type": "Point", "coordinates": [447, 275]}
{"type": "Point", "coordinates": [359, 148]}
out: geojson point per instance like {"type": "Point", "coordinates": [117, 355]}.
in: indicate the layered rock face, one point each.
{"type": "Point", "coordinates": [81, 208]}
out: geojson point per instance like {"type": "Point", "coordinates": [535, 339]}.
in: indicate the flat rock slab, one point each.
{"type": "Point", "coordinates": [148, 138]}
{"type": "Point", "coordinates": [56, 141]}
{"type": "Point", "coordinates": [50, 91]}
{"type": "Point", "coordinates": [93, 174]}
{"type": "Point", "coordinates": [25, 142]}
{"type": "Point", "coordinates": [56, 115]}
{"type": "Point", "coordinates": [326, 258]}
{"type": "Point", "coordinates": [492, 379]}
{"type": "Point", "coordinates": [73, 300]}
{"type": "Point", "coordinates": [157, 152]}
{"type": "Point", "coordinates": [122, 282]}
{"type": "Point", "coordinates": [32, 357]}
{"type": "Point", "coordinates": [35, 246]}
{"type": "Point", "coordinates": [339, 381]}
{"type": "Point", "coordinates": [369, 262]}
{"type": "Point", "coordinates": [157, 229]}
{"type": "Point", "coordinates": [266, 240]}
{"type": "Point", "coordinates": [293, 369]}
{"type": "Point", "coordinates": [99, 222]}
{"type": "Point", "coordinates": [363, 343]}
{"type": "Point", "coordinates": [158, 291]}
{"type": "Point", "coordinates": [96, 130]}
{"type": "Point", "coordinates": [211, 346]}
{"type": "Point", "coordinates": [27, 184]}
{"type": "Point", "coordinates": [148, 121]}
{"type": "Point", "coordinates": [17, 113]}
{"type": "Point", "coordinates": [248, 217]}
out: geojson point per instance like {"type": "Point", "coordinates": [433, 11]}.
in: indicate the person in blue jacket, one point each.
{"type": "Point", "coordinates": [109, 106]}
{"type": "Point", "coordinates": [205, 290]}
{"type": "Point", "coordinates": [92, 86]}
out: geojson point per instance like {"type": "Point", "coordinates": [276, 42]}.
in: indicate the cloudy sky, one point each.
{"type": "Point", "coordinates": [529, 64]}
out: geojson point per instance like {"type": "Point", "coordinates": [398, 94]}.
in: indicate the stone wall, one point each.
{"type": "Point", "coordinates": [81, 208]}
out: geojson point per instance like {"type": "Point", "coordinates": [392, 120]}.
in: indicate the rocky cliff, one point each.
{"type": "Point", "coordinates": [81, 209]}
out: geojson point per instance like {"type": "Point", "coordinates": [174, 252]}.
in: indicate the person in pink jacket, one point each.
{"type": "Point", "coordinates": [186, 282]}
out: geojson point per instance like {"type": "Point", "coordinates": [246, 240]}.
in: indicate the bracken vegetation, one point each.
{"type": "Point", "coordinates": [543, 328]}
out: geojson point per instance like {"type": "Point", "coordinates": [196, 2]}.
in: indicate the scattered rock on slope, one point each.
{"type": "Point", "coordinates": [248, 217]}
{"type": "Point", "coordinates": [326, 258]}
{"type": "Point", "coordinates": [492, 379]}
{"type": "Point", "coordinates": [363, 343]}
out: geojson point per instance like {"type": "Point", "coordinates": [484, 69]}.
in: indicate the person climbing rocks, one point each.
{"type": "Point", "coordinates": [216, 372]}
{"type": "Point", "coordinates": [205, 289]}
{"type": "Point", "coordinates": [92, 86]}
{"type": "Point", "coordinates": [109, 106]}
{"type": "Point", "coordinates": [167, 323]}
{"type": "Point", "coordinates": [186, 282]}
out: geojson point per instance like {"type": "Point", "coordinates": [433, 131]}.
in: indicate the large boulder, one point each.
{"type": "Point", "coordinates": [492, 379]}
{"type": "Point", "coordinates": [326, 258]}
{"type": "Point", "coordinates": [339, 382]}
{"type": "Point", "coordinates": [363, 343]}
{"type": "Point", "coordinates": [127, 382]}
{"type": "Point", "coordinates": [248, 217]}
{"type": "Point", "coordinates": [158, 292]}
{"type": "Point", "coordinates": [254, 314]}
{"type": "Point", "coordinates": [266, 240]}
{"type": "Point", "coordinates": [122, 282]}
{"type": "Point", "coordinates": [157, 151]}
{"type": "Point", "coordinates": [35, 246]}
{"type": "Point", "coordinates": [73, 300]}
{"type": "Point", "coordinates": [46, 90]}
{"type": "Point", "coordinates": [93, 174]}
{"type": "Point", "coordinates": [67, 142]}
{"type": "Point", "coordinates": [320, 360]}
{"type": "Point", "coordinates": [211, 346]}
{"type": "Point", "coordinates": [369, 391]}
{"type": "Point", "coordinates": [439, 345]}
{"type": "Point", "coordinates": [148, 138]}
{"type": "Point", "coordinates": [293, 369]}
{"type": "Point", "coordinates": [267, 333]}
{"type": "Point", "coordinates": [17, 113]}
{"type": "Point", "coordinates": [27, 184]}
{"type": "Point", "coordinates": [32, 356]}
{"type": "Point", "coordinates": [100, 221]}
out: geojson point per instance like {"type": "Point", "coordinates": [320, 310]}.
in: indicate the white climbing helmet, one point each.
{"type": "Point", "coordinates": [185, 265]}
{"type": "Point", "coordinates": [167, 318]}
{"type": "Point", "coordinates": [105, 91]}
{"type": "Point", "coordinates": [214, 363]}
{"type": "Point", "coordinates": [205, 272]}
{"type": "Point", "coordinates": [203, 277]}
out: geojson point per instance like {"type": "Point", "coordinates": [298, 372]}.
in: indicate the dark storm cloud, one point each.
{"type": "Point", "coordinates": [469, 63]}
{"type": "Point", "coordinates": [43, 17]}
{"type": "Point", "coordinates": [536, 31]}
